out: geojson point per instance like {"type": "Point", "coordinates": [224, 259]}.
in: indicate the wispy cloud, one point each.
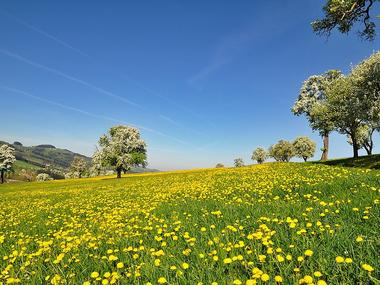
{"type": "Point", "coordinates": [171, 121]}
{"type": "Point", "coordinates": [90, 114]}
{"type": "Point", "coordinates": [70, 47]}
{"type": "Point", "coordinates": [159, 95]}
{"type": "Point", "coordinates": [68, 77]}
{"type": "Point", "coordinates": [227, 50]}
{"type": "Point", "coordinates": [43, 33]}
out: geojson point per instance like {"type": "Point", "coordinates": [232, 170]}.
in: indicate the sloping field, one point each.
{"type": "Point", "coordinates": [267, 224]}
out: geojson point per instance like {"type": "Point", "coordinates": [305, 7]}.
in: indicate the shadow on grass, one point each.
{"type": "Point", "coordinates": [367, 161]}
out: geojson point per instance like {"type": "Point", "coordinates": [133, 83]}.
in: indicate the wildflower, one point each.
{"type": "Point", "coordinates": [308, 279]}
{"type": "Point", "coordinates": [317, 274]}
{"type": "Point", "coordinates": [321, 282]}
{"type": "Point", "coordinates": [278, 279]}
{"type": "Point", "coordinates": [237, 282]}
{"type": "Point", "coordinates": [265, 277]}
{"type": "Point", "coordinates": [107, 275]}
{"type": "Point", "coordinates": [162, 280]}
{"type": "Point", "coordinates": [12, 280]}
{"type": "Point", "coordinates": [348, 260]}
{"type": "Point", "coordinates": [56, 279]}
{"type": "Point", "coordinates": [94, 274]}
{"type": "Point", "coordinates": [359, 239]}
{"type": "Point", "coordinates": [120, 265]}
{"type": "Point", "coordinates": [339, 259]}
{"type": "Point", "coordinates": [309, 252]}
{"type": "Point", "coordinates": [227, 260]}
{"type": "Point", "coordinates": [367, 267]}
{"type": "Point", "coordinates": [185, 265]}
{"type": "Point", "coordinates": [280, 258]}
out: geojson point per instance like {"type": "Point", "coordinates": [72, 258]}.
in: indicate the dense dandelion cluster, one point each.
{"type": "Point", "coordinates": [266, 224]}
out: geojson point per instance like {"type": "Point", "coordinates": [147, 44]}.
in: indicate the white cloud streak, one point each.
{"type": "Point", "coordinates": [68, 77]}
{"type": "Point", "coordinates": [43, 33]}
{"type": "Point", "coordinates": [93, 115]}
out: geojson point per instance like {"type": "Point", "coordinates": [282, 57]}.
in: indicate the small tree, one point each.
{"type": "Point", "coordinates": [304, 147]}
{"type": "Point", "coordinates": [7, 159]}
{"type": "Point", "coordinates": [219, 165]}
{"type": "Point", "coordinates": [238, 162]}
{"type": "Point", "coordinates": [43, 177]}
{"type": "Point", "coordinates": [120, 149]}
{"type": "Point", "coordinates": [282, 151]}
{"type": "Point", "coordinates": [78, 167]}
{"type": "Point", "coordinates": [259, 155]}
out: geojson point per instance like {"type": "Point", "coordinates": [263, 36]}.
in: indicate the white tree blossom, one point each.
{"type": "Point", "coordinates": [7, 159]}
{"type": "Point", "coordinates": [259, 155]}
{"type": "Point", "coordinates": [120, 149]}
{"type": "Point", "coordinates": [43, 177]}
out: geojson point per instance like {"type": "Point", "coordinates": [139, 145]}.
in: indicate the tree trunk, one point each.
{"type": "Point", "coordinates": [355, 147]}
{"type": "Point", "coordinates": [325, 151]}
{"type": "Point", "coordinates": [368, 146]}
{"type": "Point", "coordinates": [305, 158]}
{"type": "Point", "coordinates": [118, 172]}
{"type": "Point", "coordinates": [2, 176]}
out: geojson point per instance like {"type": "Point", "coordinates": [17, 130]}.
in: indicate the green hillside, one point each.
{"type": "Point", "coordinates": [275, 223]}
{"type": "Point", "coordinates": [42, 155]}
{"type": "Point", "coordinates": [367, 161]}
{"type": "Point", "coordinates": [37, 157]}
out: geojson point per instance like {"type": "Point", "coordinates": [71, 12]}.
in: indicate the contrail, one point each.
{"type": "Point", "coordinates": [42, 32]}
{"type": "Point", "coordinates": [83, 112]}
{"type": "Point", "coordinates": [66, 76]}
{"type": "Point", "coordinates": [65, 44]}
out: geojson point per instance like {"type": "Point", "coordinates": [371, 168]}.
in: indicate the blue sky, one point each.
{"type": "Point", "coordinates": [205, 81]}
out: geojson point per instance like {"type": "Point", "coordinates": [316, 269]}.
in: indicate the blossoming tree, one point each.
{"type": "Point", "coordinates": [121, 149]}
{"type": "Point", "coordinates": [7, 158]}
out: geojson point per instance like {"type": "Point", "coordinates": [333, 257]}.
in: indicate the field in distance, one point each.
{"type": "Point", "coordinates": [288, 223]}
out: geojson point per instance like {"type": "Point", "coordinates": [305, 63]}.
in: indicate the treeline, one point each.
{"type": "Point", "coordinates": [348, 104]}
{"type": "Point", "coordinates": [283, 150]}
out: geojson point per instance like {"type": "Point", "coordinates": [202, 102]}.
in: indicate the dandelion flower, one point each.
{"type": "Point", "coordinates": [339, 259]}
{"type": "Point", "coordinates": [367, 267]}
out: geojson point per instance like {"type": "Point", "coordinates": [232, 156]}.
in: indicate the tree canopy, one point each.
{"type": "Point", "coordinates": [304, 147]}
{"type": "Point", "coordinates": [77, 168]}
{"type": "Point", "coordinates": [353, 103]}
{"type": "Point", "coordinates": [259, 155]}
{"type": "Point", "coordinates": [282, 151]}
{"type": "Point", "coordinates": [313, 94]}
{"type": "Point", "coordinates": [121, 149]}
{"type": "Point", "coordinates": [238, 162]}
{"type": "Point", "coordinates": [343, 15]}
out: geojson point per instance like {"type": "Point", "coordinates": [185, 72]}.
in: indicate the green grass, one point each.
{"type": "Point", "coordinates": [61, 232]}
{"type": "Point", "coordinates": [19, 164]}
{"type": "Point", "coordinates": [367, 161]}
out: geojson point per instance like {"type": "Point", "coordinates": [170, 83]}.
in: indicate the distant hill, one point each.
{"type": "Point", "coordinates": [45, 154]}
{"type": "Point", "coordinates": [39, 156]}
{"type": "Point", "coordinates": [367, 161]}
